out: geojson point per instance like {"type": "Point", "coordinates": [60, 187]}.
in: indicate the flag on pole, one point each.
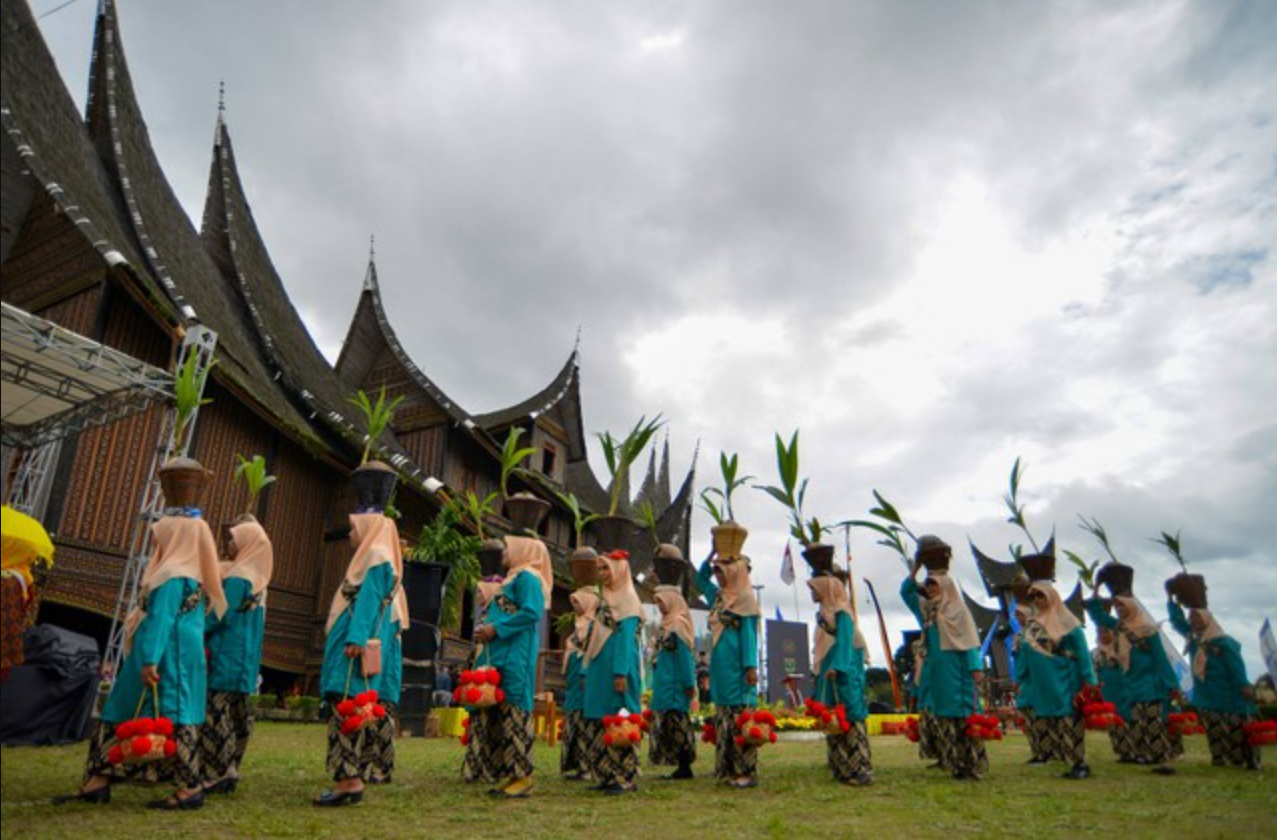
{"type": "Point", "coordinates": [1268, 648]}
{"type": "Point", "coordinates": [787, 566]}
{"type": "Point", "coordinates": [779, 617]}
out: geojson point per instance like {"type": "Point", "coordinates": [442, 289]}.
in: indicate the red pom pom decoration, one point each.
{"type": "Point", "coordinates": [740, 741]}
{"type": "Point", "coordinates": [115, 755]}
{"type": "Point", "coordinates": [163, 726]}
{"type": "Point", "coordinates": [378, 711]}
{"type": "Point", "coordinates": [494, 677]}
{"type": "Point", "coordinates": [170, 748]}
{"type": "Point", "coordinates": [346, 708]}
{"type": "Point", "coordinates": [125, 731]}
{"type": "Point", "coordinates": [141, 745]}
{"type": "Point", "coordinates": [607, 739]}
{"type": "Point", "coordinates": [473, 695]}
{"type": "Point", "coordinates": [772, 737]}
{"type": "Point", "coordinates": [465, 740]}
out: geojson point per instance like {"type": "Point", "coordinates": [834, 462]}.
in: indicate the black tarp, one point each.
{"type": "Point", "coordinates": [49, 700]}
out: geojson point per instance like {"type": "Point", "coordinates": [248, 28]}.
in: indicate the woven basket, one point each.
{"type": "Point", "coordinates": [143, 740]}
{"type": "Point", "coordinates": [831, 720]}
{"type": "Point", "coordinates": [182, 481]}
{"type": "Point", "coordinates": [480, 688]}
{"type": "Point", "coordinates": [623, 732]}
{"type": "Point", "coordinates": [359, 712]}
{"type": "Point", "coordinates": [756, 728]}
{"type": "Point", "coordinates": [983, 727]}
{"type": "Point", "coordinates": [729, 539]}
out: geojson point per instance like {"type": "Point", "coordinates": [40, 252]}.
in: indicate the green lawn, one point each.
{"type": "Point", "coordinates": [284, 769]}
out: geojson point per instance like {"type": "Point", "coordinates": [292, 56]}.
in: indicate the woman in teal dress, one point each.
{"type": "Point", "coordinates": [1108, 670]}
{"type": "Point", "coordinates": [839, 664]}
{"type": "Point", "coordinates": [1222, 693]}
{"type": "Point", "coordinates": [1147, 677]}
{"type": "Point", "coordinates": [1055, 660]}
{"type": "Point", "coordinates": [511, 641]}
{"type": "Point", "coordinates": [164, 662]}
{"type": "Point", "coordinates": [378, 757]}
{"type": "Point", "coordinates": [234, 645]}
{"type": "Point", "coordinates": [477, 765]}
{"type": "Point", "coordinates": [613, 674]}
{"type": "Point", "coordinates": [574, 749]}
{"type": "Point", "coordinates": [673, 686]}
{"type": "Point", "coordinates": [733, 664]}
{"type": "Point", "coordinates": [357, 615]}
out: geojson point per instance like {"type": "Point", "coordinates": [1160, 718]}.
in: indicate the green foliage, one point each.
{"type": "Point", "coordinates": [306, 707]}
{"type": "Point", "coordinates": [443, 541]}
{"type": "Point", "coordinates": [1085, 571]}
{"type": "Point", "coordinates": [565, 623]}
{"type": "Point", "coordinates": [647, 518]}
{"type": "Point", "coordinates": [473, 510]}
{"type": "Point", "coordinates": [1172, 544]}
{"type": "Point", "coordinates": [621, 453]}
{"type": "Point", "coordinates": [716, 510]}
{"type": "Point", "coordinates": [1012, 500]}
{"type": "Point", "coordinates": [890, 529]}
{"type": "Point", "coordinates": [511, 457]}
{"type": "Point", "coordinates": [579, 518]}
{"type": "Point", "coordinates": [377, 416]}
{"type": "Point", "coordinates": [253, 474]}
{"type": "Point", "coordinates": [791, 492]}
{"type": "Point", "coordinates": [264, 701]}
{"type": "Point", "coordinates": [1093, 527]}
{"type": "Point", "coordinates": [188, 390]}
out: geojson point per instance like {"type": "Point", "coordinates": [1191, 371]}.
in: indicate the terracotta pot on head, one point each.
{"type": "Point", "coordinates": [669, 564]}
{"type": "Point", "coordinates": [490, 555]}
{"type": "Point", "coordinates": [1118, 578]}
{"type": "Point", "coordinates": [183, 481]}
{"type": "Point", "coordinates": [526, 511]}
{"type": "Point", "coordinates": [820, 558]}
{"type": "Point", "coordinates": [1189, 590]}
{"type": "Point", "coordinates": [584, 564]}
{"type": "Point", "coordinates": [1039, 567]}
{"type": "Point", "coordinates": [933, 553]}
{"type": "Point", "coordinates": [374, 485]}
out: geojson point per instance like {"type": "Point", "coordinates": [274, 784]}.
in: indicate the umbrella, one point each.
{"type": "Point", "coordinates": [23, 540]}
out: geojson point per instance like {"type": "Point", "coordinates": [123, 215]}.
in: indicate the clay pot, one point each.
{"type": "Point", "coordinates": [1038, 566]}
{"type": "Point", "coordinates": [669, 565]}
{"type": "Point", "coordinates": [183, 481]}
{"type": "Point", "coordinates": [729, 539]}
{"type": "Point", "coordinates": [526, 511]}
{"type": "Point", "coordinates": [374, 485]}
{"type": "Point", "coordinates": [612, 532]}
{"type": "Point", "coordinates": [583, 564]}
{"type": "Point", "coordinates": [1119, 578]}
{"type": "Point", "coordinates": [820, 559]}
{"type": "Point", "coordinates": [933, 553]}
{"type": "Point", "coordinates": [1189, 590]}
{"type": "Point", "coordinates": [490, 555]}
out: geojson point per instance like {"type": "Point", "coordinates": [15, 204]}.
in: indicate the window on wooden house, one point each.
{"type": "Point", "coordinates": [549, 459]}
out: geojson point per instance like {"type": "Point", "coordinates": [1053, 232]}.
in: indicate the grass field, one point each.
{"type": "Point", "coordinates": [284, 768]}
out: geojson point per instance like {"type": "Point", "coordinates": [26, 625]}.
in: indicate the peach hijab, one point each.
{"type": "Point", "coordinates": [183, 548]}
{"type": "Point", "coordinates": [378, 544]}
{"type": "Point", "coordinates": [676, 618]}
{"type": "Point", "coordinates": [525, 554]}
{"type": "Point", "coordinates": [1138, 623]}
{"type": "Point", "coordinates": [1055, 619]}
{"type": "Point", "coordinates": [953, 619]}
{"type": "Point", "coordinates": [736, 595]}
{"type": "Point", "coordinates": [254, 560]}
{"type": "Point", "coordinates": [619, 597]}
{"type": "Point", "coordinates": [1210, 633]}
{"type": "Point", "coordinates": [585, 601]}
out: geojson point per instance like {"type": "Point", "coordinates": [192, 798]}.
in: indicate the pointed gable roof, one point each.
{"type": "Point", "coordinates": [169, 243]}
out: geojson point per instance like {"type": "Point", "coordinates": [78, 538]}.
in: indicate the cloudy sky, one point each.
{"type": "Point", "coordinates": [933, 236]}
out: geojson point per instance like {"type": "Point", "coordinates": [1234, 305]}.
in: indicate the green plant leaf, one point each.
{"type": "Point", "coordinates": [511, 457]}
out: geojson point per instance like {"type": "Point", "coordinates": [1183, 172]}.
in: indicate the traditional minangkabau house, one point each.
{"type": "Point", "coordinates": [95, 240]}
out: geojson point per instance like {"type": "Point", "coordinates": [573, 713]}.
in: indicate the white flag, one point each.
{"type": "Point", "coordinates": [787, 566]}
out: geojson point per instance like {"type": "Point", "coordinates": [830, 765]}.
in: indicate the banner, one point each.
{"type": "Point", "coordinates": [1268, 648]}
{"type": "Point", "coordinates": [787, 653]}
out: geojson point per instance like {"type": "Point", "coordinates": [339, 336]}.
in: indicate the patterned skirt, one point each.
{"type": "Point", "coordinates": [732, 761]}
{"type": "Point", "coordinates": [1060, 739]}
{"type": "Point", "coordinates": [1150, 738]}
{"type": "Point", "coordinates": [377, 760]}
{"type": "Point", "coordinates": [927, 749]}
{"type": "Point", "coordinates": [1120, 740]}
{"type": "Point", "coordinates": [575, 745]}
{"type": "Point", "coordinates": [1034, 734]}
{"type": "Point", "coordinates": [224, 736]}
{"type": "Point", "coordinates": [610, 765]}
{"type": "Point", "coordinates": [183, 769]}
{"type": "Point", "coordinates": [958, 753]}
{"type": "Point", "coordinates": [1228, 742]}
{"type": "Point", "coordinates": [673, 740]}
{"type": "Point", "coordinates": [500, 747]}
{"type": "Point", "coordinates": [343, 750]}
{"type": "Point", "coordinates": [849, 757]}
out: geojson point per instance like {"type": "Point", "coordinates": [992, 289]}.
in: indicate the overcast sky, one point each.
{"type": "Point", "coordinates": [932, 236]}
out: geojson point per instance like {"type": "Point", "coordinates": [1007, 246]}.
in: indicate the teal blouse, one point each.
{"type": "Point", "coordinates": [1149, 678]}
{"type": "Point", "coordinates": [574, 694]}
{"type": "Point", "coordinates": [848, 665]}
{"type": "Point", "coordinates": [619, 657]}
{"type": "Point", "coordinates": [392, 667]}
{"type": "Point", "coordinates": [1054, 680]}
{"type": "Point", "coordinates": [1220, 691]}
{"type": "Point", "coordinates": [1113, 686]}
{"type": "Point", "coordinates": [171, 637]}
{"type": "Point", "coordinates": [366, 615]}
{"type": "Point", "coordinates": [946, 673]}
{"type": "Point", "coordinates": [734, 653]}
{"type": "Point", "coordinates": [515, 614]}
{"type": "Point", "coordinates": [234, 643]}
{"type": "Point", "coordinates": [675, 673]}
{"type": "Point", "coordinates": [921, 687]}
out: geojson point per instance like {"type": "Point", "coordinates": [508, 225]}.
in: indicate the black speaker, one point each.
{"type": "Point", "coordinates": [423, 585]}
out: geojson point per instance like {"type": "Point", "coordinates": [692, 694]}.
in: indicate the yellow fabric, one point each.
{"type": "Point", "coordinates": [23, 540]}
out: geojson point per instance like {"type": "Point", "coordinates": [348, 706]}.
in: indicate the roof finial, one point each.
{"type": "Point", "coordinates": [576, 345]}
{"type": "Point", "coordinates": [372, 247]}
{"type": "Point", "coordinates": [221, 97]}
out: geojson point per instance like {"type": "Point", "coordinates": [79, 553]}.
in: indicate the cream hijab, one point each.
{"type": "Point", "coordinates": [1213, 631]}
{"type": "Point", "coordinates": [183, 548]}
{"type": "Point", "coordinates": [953, 619]}
{"type": "Point", "coordinates": [831, 594]}
{"type": "Point", "coordinates": [525, 554]}
{"type": "Point", "coordinates": [378, 543]}
{"type": "Point", "coordinates": [676, 618]}
{"type": "Point", "coordinates": [1138, 623]}
{"type": "Point", "coordinates": [619, 597]}
{"type": "Point", "coordinates": [736, 595]}
{"type": "Point", "coordinates": [254, 559]}
{"type": "Point", "coordinates": [585, 601]}
{"type": "Point", "coordinates": [1055, 619]}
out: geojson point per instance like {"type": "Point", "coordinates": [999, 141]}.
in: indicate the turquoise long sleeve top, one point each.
{"type": "Point", "coordinates": [368, 615]}
{"type": "Point", "coordinates": [733, 654]}
{"type": "Point", "coordinates": [1055, 679]}
{"type": "Point", "coordinates": [848, 664]}
{"type": "Point", "coordinates": [619, 657]}
{"type": "Point", "coordinates": [948, 673]}
{"type": "Point", "coordinates": [675, 674]}
{"type": "Point", "coordinates": [1220, 690]}
{"type": "Point", "coordinates": [1149, 678]}
{"type": "Point", "coordinates": [921, 688]}
{"type": "Point", "coordinates": [171, 637]}
{"type": "Point", "coordinates": [234, 642]}
{"type": "Point", "coordinates": [392, 667]}
{"type": "Point", "coordinates": [515, 614]}
{"type": "Point", "coordinates": [1113, 686]}
{"type": "Point", "coordinates": [574, 693]}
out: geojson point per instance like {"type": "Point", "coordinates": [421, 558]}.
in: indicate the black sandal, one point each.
{"type": "Point", "coordinates": [97, 796]}
{"type": "Point", "coordinates": [329, 799]}
{"type": "Point", "coordinates": [176, 803]}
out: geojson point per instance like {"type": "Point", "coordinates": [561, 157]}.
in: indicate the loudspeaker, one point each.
{"type": "Point", "coordinates": [423, 586]}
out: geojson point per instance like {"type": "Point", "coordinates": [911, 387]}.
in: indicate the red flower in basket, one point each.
{"type": "Point", "coordinates": [478, 689]}
{"type": "Point", "coordinates": [1261, 733]}
{"type": "Point", "coordinates": [757, 728]}
{"type": "Point", "coordinates": [143, 740]}
{"type": "Point", "coordinates": [983, 727]}
{"type": "Point", "coordinates": [911, 730]}
{"type": "Point", "coordinates": [624, 730]}
{"type": "Point", "coordinates": [1184, 723]}
{"type": "Point", "coordinates": [709, 734]}
{"type": "Point", "coordinates": [359, 711]}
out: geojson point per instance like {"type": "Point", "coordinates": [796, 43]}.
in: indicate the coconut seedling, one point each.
{"type": "Point", "coordinates": [253, 474]}
{"type": "Point", "coordinates": [188, 394]}
{"type": "Point", "coordinates": [620, 454]}
{"type": "Point", "coordinates": [890, 528]}
{"type": "Point", "coordinates": [377, 416]}
{"type": "Point", "coordinates": [1172, 544]}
